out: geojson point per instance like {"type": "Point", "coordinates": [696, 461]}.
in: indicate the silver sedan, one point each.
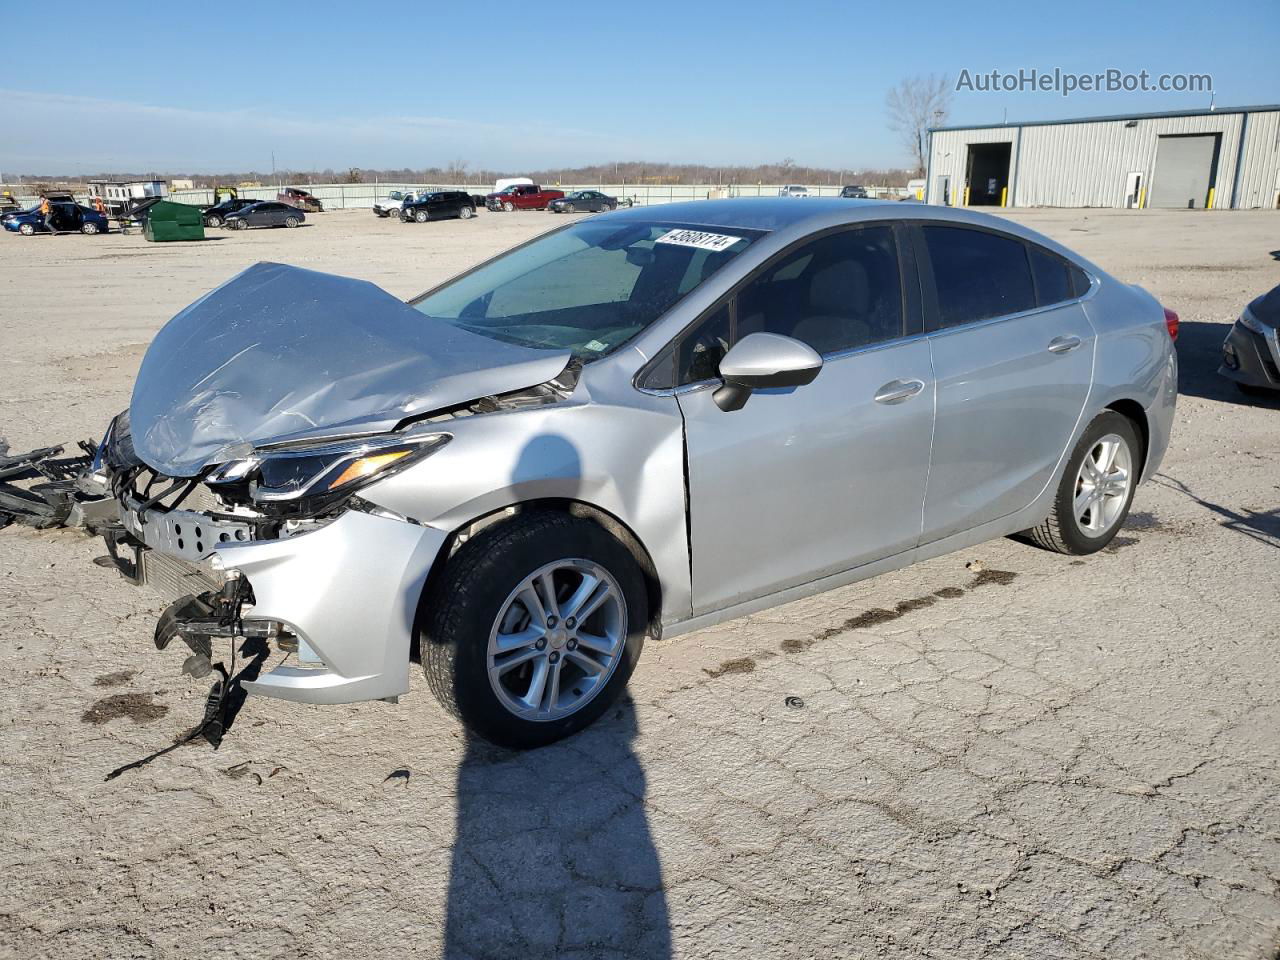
{"type": "Point", "coordinates": [643, 423]}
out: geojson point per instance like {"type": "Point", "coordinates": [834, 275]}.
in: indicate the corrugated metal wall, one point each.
{"type": "Point", "coordinates": [1086, 164]}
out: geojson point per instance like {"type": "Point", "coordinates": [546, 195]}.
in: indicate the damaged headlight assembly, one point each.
{"type": "Point", "coordinates": [318, 476]}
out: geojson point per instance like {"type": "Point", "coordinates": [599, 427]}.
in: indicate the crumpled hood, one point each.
{"type": "Point", "coordinates": [281, 353]}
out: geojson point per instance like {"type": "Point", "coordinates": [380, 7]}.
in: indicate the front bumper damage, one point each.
{"type": "Point", "coordinates": [342, 596]}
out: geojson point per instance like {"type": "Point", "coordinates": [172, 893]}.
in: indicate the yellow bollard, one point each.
{"type": "Point", "coordinates": [1209, 205]}
{"type": "Point", "coordinates": [1004, 196]}
{"type": "Point", "coordinates": [966, 196]}
{"type": "Point", "coordinates": [1142, 199]}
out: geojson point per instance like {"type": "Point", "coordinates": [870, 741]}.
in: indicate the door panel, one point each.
{"type": "Point", "coordinates": [807, 482]}
{"type": "Point", "coordinates": [1007, 407]}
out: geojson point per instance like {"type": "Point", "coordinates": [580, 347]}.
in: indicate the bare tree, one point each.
{"type": "Point", "coordinates": [456, 172]}
{"type": "Point", "coordinates": [915, 105]}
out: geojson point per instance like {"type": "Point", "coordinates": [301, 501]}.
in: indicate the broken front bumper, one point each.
{"type": "Point", "coordinates": [348, 590]}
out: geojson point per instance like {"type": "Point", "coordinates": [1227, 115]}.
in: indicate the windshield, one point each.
{"type": "Point", "coordinates": [588, 288]}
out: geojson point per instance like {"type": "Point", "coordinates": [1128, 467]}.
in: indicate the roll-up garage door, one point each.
{"type": "Point", "coordinates": [1185, 169]}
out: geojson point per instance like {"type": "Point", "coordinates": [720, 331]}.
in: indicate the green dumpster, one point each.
{"type": "Point", "coordinates": [174, 221]}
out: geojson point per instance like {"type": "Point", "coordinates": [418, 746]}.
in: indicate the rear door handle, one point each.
{"type": "Point", "coordinates": [895, 391]}
{"type": "Point", "coordinates": [1063, 344]}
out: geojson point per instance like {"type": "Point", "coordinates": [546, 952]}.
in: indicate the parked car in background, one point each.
{"type": "Point", "coordinates": [853, 192]}
{"type": "Point", "coordinates": [264, 213]}
{"type": "Point", "coordinates": [392, 204]}
{"type": "Point", "coordinates": [793, 190]}
{"type": "Point", "coordinates": [528, 196]}
{"type": "Point", "coordinates": [68, 217]}
{"type": "Point", "coordinates": [440, 205]}
{"type": "Point", "coordinates": [216, 214]}
{"type": "Point", "coordinates": [1251, 352]}
{"type": "Point", "coordinates": [301, 199]}
{"type": "Point", "coordinates": [583, 201]}
{"type": "Point", "coordinates": [532, 467]}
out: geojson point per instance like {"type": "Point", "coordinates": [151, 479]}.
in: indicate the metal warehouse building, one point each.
{"type": "Point", "coordinates": [1228, 158]}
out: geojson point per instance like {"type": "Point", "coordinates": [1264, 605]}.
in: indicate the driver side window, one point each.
{"type": "Point", "coordinates": [838, 292]}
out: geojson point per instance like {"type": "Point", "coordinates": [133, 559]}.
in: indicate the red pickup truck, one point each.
{"type": "Point", "coordinates": [528, 196]}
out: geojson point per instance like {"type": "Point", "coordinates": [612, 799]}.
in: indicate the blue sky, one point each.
{"type": "Point", "coordinates": [512, 85]}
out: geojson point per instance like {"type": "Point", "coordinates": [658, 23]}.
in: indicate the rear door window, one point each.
{"type": "Point", "coordinates": [978, 274]}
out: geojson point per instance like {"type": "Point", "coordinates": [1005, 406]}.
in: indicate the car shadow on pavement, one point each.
{"type": "Point", "coordinates": [553, 854]}
{"type": "Point", "coordinates": [1199, 356]}
{"type": "Point", "coordinates": [1260, 525]}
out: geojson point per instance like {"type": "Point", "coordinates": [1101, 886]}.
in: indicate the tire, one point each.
{"type": "Point", "coordinates": [88, 229]}
{"type": "Point", "coordinates": [421, 216]}
{"type": "Point", "coordinates": [291, 222]}
{"type": "Point", "coordinates": [509, 207]}
{"type": "Point", "coordinates": [466, 213]}
{"type": "Point", "coordinates": [477, 600]}
{"type": "Point", "coordinates": [26, 229]}
{"type": "Point", "coordinates": [1065, 530]}
{"type": "Point", "coordinates": [213, 221]}
{"type": "Point", "coordinates": [569, 208]}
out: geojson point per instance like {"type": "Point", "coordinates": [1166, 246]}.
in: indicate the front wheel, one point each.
{"type": "Point", "coordinates": [26, 229]}
{"type": "Point", "coordinates": [421, 216]}
{"type": "Point", "coordinates": [534, 628]}
{"type": "Point", "coordinates": [213, 221]}
{"type": "Point", "coordinates": [1096, 489]}
{"type": "Point", "coordinates": [509, 207]}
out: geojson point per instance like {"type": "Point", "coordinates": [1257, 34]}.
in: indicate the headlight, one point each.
{"type": "Point", "coordinates": [327, 469]}
{"type": "Point", "coordinates": [1250, 322]}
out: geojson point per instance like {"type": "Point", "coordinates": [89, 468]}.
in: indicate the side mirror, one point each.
{"type": "Point", "coordinates": [760, 361]}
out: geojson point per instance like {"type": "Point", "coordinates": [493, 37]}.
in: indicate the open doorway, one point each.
{"type": "Point", "coordinates": [987, 173]}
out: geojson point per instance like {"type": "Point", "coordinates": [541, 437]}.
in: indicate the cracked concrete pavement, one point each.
{"type": "Point", "coordinates": [996, 754]}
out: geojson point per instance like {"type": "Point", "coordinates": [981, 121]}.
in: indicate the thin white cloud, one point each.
{"type": "Point", "coordinates": [51, 132]}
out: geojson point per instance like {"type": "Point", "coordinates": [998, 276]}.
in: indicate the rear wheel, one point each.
{"type": "Point", "coordinates": [534, 628]}
{"type": "Point", "coordinates": [89, 228]}
{"type": "Point", "coordinates": [1096, 489]}
{"type": "Point", "coordinates": [291, 221]}
{"type": "Point", "coordinates": [466, 213]}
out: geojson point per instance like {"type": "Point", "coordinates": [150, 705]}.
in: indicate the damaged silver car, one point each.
{"type": "Point", "coordinates": [640, 424]}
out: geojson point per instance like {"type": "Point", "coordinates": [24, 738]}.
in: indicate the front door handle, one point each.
{"type": "Point", "coordinates": [1063, 344]}
{"type": "Point", "coordinates": [895, 391]}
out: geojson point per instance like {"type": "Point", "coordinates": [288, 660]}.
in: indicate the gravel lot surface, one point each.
{"type": "Point", "coordinates": [1000, 753]}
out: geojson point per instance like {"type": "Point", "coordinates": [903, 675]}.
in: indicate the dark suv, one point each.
{"type": "Point", "coordinates": [854, 192]}
{"type": "Point", "coordinates": [442, 205]}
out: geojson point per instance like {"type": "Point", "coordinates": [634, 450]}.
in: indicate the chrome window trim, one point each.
{"type": "Point", "coordinates": [1004, 317]}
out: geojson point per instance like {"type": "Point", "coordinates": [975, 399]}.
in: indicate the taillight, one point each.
{"type": "Point", "coordinates": [1171, 321]}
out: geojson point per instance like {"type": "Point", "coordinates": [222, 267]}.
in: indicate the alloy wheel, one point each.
{"type": "Point", "coordinates": [557, 640]}
{"type": "Point", "coordinates": [1102, 485]}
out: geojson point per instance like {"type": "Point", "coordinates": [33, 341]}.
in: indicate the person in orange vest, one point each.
{"type": "Point", "coordinates": [46, 210]}
{"type": "Point", "coordinates": [99, 206]}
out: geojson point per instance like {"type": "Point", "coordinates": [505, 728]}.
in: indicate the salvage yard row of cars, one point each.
{"type": "Point", "coordinates": [522, 473]}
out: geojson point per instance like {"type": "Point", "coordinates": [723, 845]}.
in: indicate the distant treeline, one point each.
{"type": "Point", "coordinates": [637, 172]}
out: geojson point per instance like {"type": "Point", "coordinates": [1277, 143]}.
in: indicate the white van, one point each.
{"type": "Point", "coordinates": [500, 185]}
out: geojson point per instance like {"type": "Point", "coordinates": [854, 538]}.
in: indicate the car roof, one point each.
{"type": "Point", "coordinates": [779, 213]}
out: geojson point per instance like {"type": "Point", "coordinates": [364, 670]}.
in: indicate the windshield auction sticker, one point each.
{"type": "Point", "coordinates": [699, 239]}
